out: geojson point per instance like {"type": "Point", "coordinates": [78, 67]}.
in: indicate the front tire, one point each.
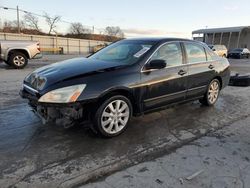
{"type": "Point", "coordinates": [212, 94]}
{"type": "Point", "coordinates": [113, 116]}
{"type": "Point", "coordinates": [17, 60]}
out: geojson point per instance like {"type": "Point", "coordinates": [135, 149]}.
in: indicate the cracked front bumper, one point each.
{"type": "Point", "coordinates": [66, 114]}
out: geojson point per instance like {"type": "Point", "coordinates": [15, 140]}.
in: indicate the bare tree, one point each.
{"type": "Point", "coordinates": [51, 21]}
{"type": "Point", "coordinates": [31, 21]}
{"type": "Point", "coordinates": [77, 28]}
{"type": "Point", "coordinates": [13, 25]}
{"type": "Point", "coordinates": [114, 31]}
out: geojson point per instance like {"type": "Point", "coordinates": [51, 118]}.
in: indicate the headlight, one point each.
{"type": "Point", "coordinates": [63, 95]}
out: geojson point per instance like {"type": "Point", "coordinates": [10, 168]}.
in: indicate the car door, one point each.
{"type": "Point", "coordinates": [167, 85]}
{"type": "Point", "coordinates": [201, 69]}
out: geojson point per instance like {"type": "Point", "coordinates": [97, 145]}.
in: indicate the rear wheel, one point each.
{"type": "Point", "coordinates": [17, 60]}
{"type": "Point", "coordinates": [212, 93]}
{"type": "Point", "coordinates": [113, 115]}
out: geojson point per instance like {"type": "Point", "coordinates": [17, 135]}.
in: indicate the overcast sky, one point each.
{"type": "Point", "coordinates": [139, 17]}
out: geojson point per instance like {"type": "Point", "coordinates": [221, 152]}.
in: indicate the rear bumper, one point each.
{"type": "Point", "coordinates": [37, 56]}
{"type": "Point", "coordinates": [225, 77]}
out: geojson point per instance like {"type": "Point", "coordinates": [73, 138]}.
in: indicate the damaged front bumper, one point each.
{"type": "Point", "coordinates": [65, 115]}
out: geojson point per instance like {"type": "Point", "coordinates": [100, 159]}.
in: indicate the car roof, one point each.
{"type": "Point", "coordinates": [153, 39]}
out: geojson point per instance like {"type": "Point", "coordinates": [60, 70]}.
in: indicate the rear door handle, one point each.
{"type": "Point", "coordinates": [211, 66]}
{"type": "Point", "coordinates": [182, 72]}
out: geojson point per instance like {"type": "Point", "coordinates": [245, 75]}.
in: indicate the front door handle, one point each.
{"type": "Point", "coordinates": [211, 66]}
{"type": "Point", "coordinates": [182, 72]}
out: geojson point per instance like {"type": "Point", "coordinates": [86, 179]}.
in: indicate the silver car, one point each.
{"type": "Point", "coordinates": [16, 53]}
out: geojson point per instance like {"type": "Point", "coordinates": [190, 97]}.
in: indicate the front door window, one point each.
{"type": "Point", "coordinates": [171, 53]}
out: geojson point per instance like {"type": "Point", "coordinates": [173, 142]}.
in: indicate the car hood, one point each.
{"type": "Point", "coordinates": [66, 70]}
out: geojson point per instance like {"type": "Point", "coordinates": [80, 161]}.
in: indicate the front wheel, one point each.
{"type": "Point", "coordinates": [212, 93]}
{"type": "Point", "coordinates": [112, 116]}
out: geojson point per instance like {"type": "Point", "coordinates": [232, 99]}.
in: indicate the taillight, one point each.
{"type": "Point", "coordinates": [38, 46]}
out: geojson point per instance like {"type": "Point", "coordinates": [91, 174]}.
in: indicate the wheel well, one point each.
{"type": "Point", "coordinates": [220, 80]}
{"type": "Point", "coordinates": [19, 50]}
{"type": "Point", "coordinates": [122, 92]}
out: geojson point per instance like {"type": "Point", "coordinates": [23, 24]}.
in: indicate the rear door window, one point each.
{"type": "Point", "coordinates": [195, 53]}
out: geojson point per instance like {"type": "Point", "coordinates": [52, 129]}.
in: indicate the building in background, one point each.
{"type": "Point", "coordinates": [231, 37]}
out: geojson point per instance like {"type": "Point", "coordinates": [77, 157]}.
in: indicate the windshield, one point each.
{"type": "Point", "coordinates": [127, 52]}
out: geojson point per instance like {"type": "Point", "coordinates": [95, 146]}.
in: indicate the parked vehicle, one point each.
{"type": "Point", "coordinates": [128, 78]}
{"type": "Point", "coordinates": [16, 53]}
{"type": "Point", "coordinates": [239, 53]}
{"type": "Point", "coordinates": [220, 50]}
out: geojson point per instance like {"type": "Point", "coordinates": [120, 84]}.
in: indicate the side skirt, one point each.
{"type": "Point", "coordinates": [168, 106]}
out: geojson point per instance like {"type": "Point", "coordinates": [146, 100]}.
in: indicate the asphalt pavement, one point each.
{"type": "Point", "coordinates": [220, 159]}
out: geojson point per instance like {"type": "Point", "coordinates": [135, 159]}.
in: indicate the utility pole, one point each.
{"type": "Point", "coordinates": [18, 21]}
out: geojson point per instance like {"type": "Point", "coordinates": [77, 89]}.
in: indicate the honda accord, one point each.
{"type": "Point", "coordinates": [128, 78]}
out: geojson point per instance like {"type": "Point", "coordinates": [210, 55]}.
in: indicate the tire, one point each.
{"type": "Point", "coordinates": [17, 60]}
{"type": "Point", "coordinates": [224, 56]}
{"type": "Point", "coordinates": [111, 123]}
{"type": "Point", "coordinates": [212, 93]}
{"type": "Point", "coordinates": [248, 56]}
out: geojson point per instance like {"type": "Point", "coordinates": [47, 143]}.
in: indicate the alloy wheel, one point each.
{"type": "Point", "coordinates": [115, 116]}
{"type": "Point", "coordinates": [213, 92]}
{"type": "Point", "coordinates": [19, 60]}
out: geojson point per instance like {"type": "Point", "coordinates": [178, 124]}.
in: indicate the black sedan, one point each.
{"type": "Point", "coordinates": [128, 78]}
{"type": "Point", "coordinates": [239, 53]}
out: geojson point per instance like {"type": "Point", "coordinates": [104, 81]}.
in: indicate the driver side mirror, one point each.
{"type": "Point", "coordinates": [156, 64]}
